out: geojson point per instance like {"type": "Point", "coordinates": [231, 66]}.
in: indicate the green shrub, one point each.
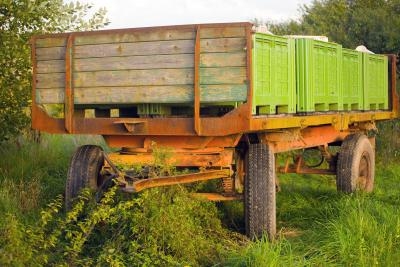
{"type": "Point", "coordinates": [160, 227]}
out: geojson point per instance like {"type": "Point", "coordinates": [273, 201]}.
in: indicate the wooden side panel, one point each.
{"type": "Point", "coordinates": [145, 94]}
{"type": "Point", "coordinates": [142, 66]}
{"type": "Point", "coordinates": [136, 36]}
{"type": "Point", "coordinates": [50, 66]}
{"type": "Point", "coordinates": [135, 49]}
{"type": "Point", "coordinates": [150, 77]}
{"type": "Point", "coordinates": [235, 59]}
{"type": "Point", "coordinates": [50, 53]}
{"type": "Point", "coordinates": [224, 45]}
{"type": "Point", "coordinates": [51, 41]}
{"type": "Point", "coordinates": [226, 75]}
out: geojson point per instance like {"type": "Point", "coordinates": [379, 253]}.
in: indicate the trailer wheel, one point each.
{"type": "Point", "coordinates": [84, 171]}
{"type": "Point", "coordinates": [260, 190]}
{"type": "Point", "coordinates": [356, 165]}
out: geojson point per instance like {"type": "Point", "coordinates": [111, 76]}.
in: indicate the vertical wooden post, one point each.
{"type": "Point", "coordinates": [69, 90]}
{"type": "Point", "coordinates": [197, 126]}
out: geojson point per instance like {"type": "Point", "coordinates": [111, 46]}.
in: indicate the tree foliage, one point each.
{"type": "Point", "coordinates": [373, 23]}
{"type": "Point", "coordinates": [19, 20]}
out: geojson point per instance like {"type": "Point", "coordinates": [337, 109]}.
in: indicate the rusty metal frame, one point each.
{"type": "Point", "coordinates": [293, 139]}
{"type": "Point", "coordinates": [206, 157]}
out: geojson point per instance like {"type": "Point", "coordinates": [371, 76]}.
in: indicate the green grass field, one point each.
{"type": "Point", "coordinates": [166, 227]}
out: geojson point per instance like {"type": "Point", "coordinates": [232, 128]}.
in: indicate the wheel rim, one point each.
{"type": "Point", "coordinates": [364, 172]}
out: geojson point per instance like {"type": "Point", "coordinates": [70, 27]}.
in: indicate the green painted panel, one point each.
{"type": "Point", "coordinates": [318, 76]}
{"type": "Point", "coordinates": [273, 74]}
{"type": "Point", "coordinates": [376, 93]}
{"type": "Point", "coordinates": [352, 77]}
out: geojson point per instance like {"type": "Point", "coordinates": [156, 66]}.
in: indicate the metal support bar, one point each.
{"type": "Point", "coordinates": [178, 179]}
{"type": "Point", "coordinates": [218, 197]}
{"type": "Point", "coordinates": [69, 91]}
{"type": "Point", "coordinates": [197, 126]}
{"type": "Point", "coordinates": [299, 168]}
{"type": "Point", "coordinates": [249, 70]}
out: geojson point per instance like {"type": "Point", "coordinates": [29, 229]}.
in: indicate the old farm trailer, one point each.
{"type": "Point", "coordinates": [223, 98]}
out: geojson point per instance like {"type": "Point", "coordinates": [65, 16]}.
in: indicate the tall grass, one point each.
{"type": "Point", "coordinates": [318, 226]}
{"type": "Point", "coordinates": [32, 174]}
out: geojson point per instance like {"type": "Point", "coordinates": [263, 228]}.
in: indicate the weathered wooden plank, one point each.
{"type": "Point", "coordinates": [134, 49]}
{"type": "Point", "coordinates": [223, 93]}
{"type": "Point", "coordinates": [50, 66]}
{"type": "Point", "coordinates": [118, 78]}
{"type": "Point", "coordinates": [135, 62]}
{"type": "Point", "coordinates": [131, 35]}
{"type": "Point", "coordinates": [222, 45]}
{"type": "Point", "coordinates": [160, 48]}
{"type": "Point", "coordinates": [51, 42]}
{"type": "Point", "coordinates": [236, 59]}
{"type": "Point", "coordinates": [223, 32]}
{"type": "Point", "coordinates": [134, 77]}
{"type": "Point", "coordinates": [50, 96]}
{"type": "Point", "coordinates": [50, 80]}
{"type": "Point", "coordinates": [226, 75]}
{"type": "Point", "coordinates": [145, 94]}
{"type": "Point", "coordinates": [135, 35]}
{"type": "Point", "coordinates": [50, 53]}
{"type": "Point", "coordinates": [119, 63]}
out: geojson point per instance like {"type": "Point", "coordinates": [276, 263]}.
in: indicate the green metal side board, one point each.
{"type": "Point", "coordinates": [273, 74]}
{"type": "Point", "coordinates": [318, 71]}
{"type": "Point", "coordinates": [375, 68]}
{"type": "Point", "coordinates": [352, 78]}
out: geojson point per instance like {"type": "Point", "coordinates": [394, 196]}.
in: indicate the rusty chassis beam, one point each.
{"type": "Point", "coordinates": [218, 197]}
{"type": "Point", "coordinates": [293, 139]}
{"type": "Point", "coordinates": [142, 184]}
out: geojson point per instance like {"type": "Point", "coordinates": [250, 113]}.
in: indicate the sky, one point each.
{"type": "Point", "coordinates": [142, 13]}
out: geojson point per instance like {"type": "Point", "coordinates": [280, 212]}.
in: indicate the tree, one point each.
{"type": "Point", "coordinates": [19, 20]}
{"type": "Point", "coordinates": [373, 23]}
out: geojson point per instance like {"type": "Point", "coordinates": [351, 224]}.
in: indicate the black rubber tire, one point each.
{"type": "Point", "coordinates": [356, 165]}
{"type": "Point", "coordinates": [260, 192]}
{"type": "Point", "coordinates": [84, 171]}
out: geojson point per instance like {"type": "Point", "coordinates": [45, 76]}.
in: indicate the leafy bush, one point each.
{"type": "Point", "coordinates": [159, 227]}
{"type": "Point", "coordinates": [19, 20]}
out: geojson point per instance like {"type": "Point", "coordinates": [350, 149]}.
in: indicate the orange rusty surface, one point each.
{"type": "Point", "coordinates": [297, 139]}
{"type": "Point", "coordinates": [189, 142]}
{"type": "Point", "coordinates": [213, 157]}
{"type": "Point", "coordinates": [178, 179]}
{"type": "Point", "coordinates": [69, 89]}
{"type": "Point", "coordinates": [218, 197]}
